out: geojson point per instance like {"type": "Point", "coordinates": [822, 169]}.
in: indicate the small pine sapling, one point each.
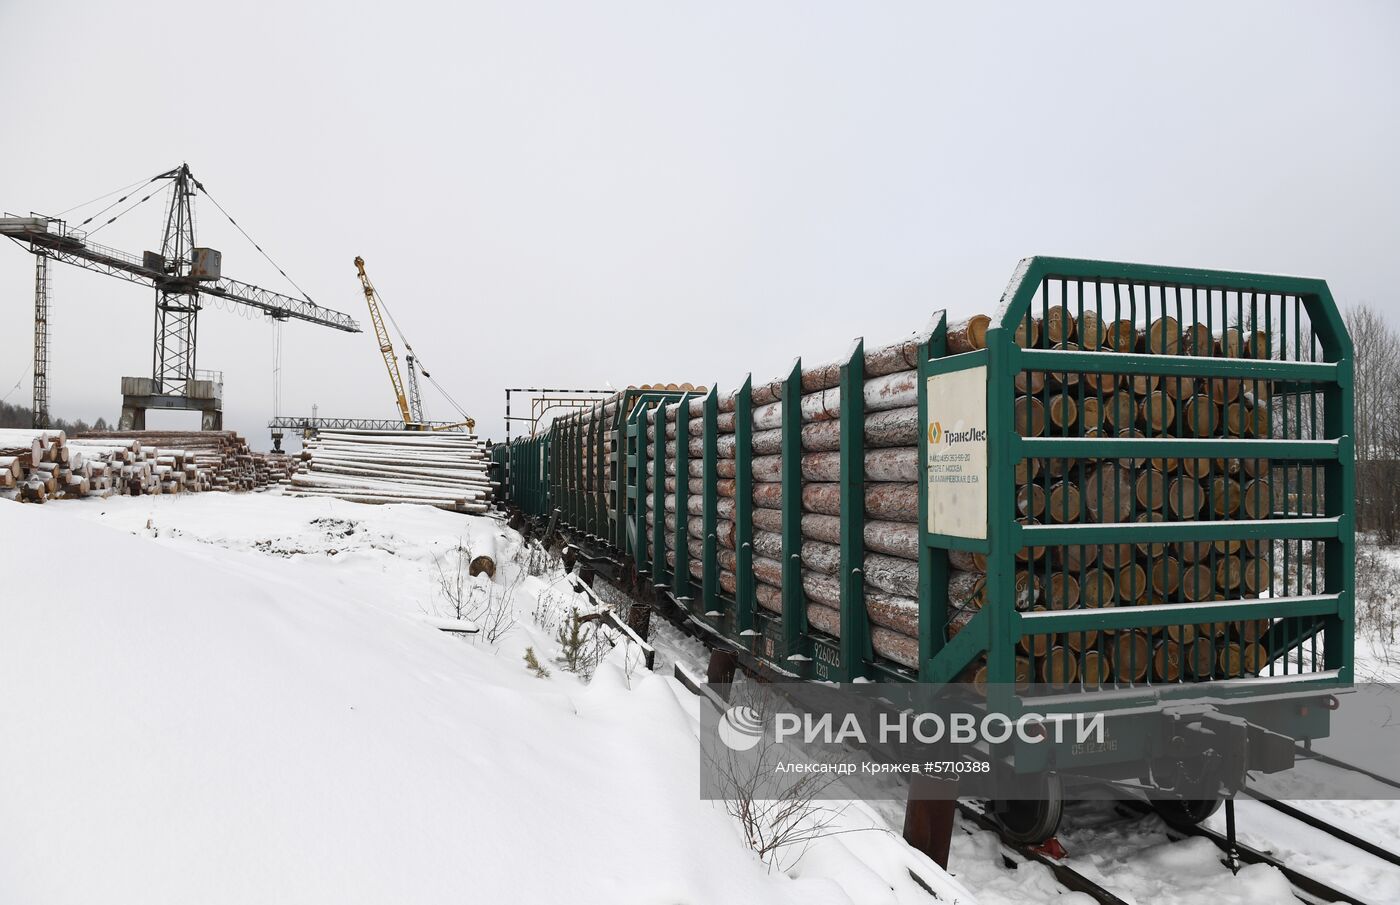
{"type": "Point", "coordinates": [533, 664]}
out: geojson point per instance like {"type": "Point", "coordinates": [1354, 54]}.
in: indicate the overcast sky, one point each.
{"type": "Point", "coordinates": [584, 193]}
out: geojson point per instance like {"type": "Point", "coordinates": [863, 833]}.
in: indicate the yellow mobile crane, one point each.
{"type": "Point", "coordinates": [410, 404]}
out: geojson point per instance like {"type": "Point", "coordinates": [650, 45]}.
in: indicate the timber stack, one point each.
{"type": "Point", "coordinates": [443, 469]}
{"type": "Point", "coordinates": [1114, 482]}
{"type": "Point", "coordinates": [1145, 489]}
{"type": "Point", "coordinates": [207, 460]}
{"type": "Point", "coordinates": [39, 465]}
{"type": "Point", "coordinates": [592, 431]}
{"type": "Point", "coordinates": [891, 530]}
{"type": "Point", "coordinates": [1088, 489]}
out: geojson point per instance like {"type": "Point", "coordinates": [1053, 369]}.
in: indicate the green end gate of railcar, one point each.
{"type": "Point", "coordinates": [1324, 616]}
{"type": "Point", "coordinates": [1326, 375]}
{"type": "Point", "coordinates": [1306, 361]}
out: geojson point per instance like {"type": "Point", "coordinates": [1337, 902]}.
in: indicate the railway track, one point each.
{"type": "Point", "coordinates": [1308, 754]}
{"type": "Point", "coordinates": [1318, 823]}
{"type": "Point", "coordinates": [1063, 873]}
{"type": "Point", "coordinates": [1306, 888]}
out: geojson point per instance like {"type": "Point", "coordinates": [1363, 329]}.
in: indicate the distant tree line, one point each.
{"type": "Point", "coordinates": [23, 416]}
{"type": "Point", "coordinates": [1377, 399]}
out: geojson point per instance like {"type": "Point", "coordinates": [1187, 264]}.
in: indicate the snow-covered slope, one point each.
{"type": "Point", "coordinates": [237, 698]}
{"type": "Point", "coordinates": [190, 719]}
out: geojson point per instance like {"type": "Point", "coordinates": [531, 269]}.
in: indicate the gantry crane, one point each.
{"type": "Point", "coordinates": [410, 403]}
{"type": "Point", "coordinates": [181, 274]}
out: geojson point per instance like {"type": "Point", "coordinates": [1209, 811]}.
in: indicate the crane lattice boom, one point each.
{"type": "Point", "coordinates": [386, 345]}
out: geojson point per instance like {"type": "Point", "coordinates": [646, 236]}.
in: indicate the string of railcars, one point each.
{"type": "Point", "coordinates": [1130, 481]}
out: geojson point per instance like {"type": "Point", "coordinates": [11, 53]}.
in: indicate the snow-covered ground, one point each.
{"type": "Point", "coordinates": [224, 698]}
{"type": "Point", "coordinates": [238, 698]}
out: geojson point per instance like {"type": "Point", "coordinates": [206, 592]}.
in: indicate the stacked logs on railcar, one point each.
{"type": "Point", "coordinates": [1090, 488]}
{"type": "Point", "coordinates": [582, 467]}
{"type": "Point", "coordinates": [891, 531]}
{"type": "Point", "coordinates": [1139, 489]}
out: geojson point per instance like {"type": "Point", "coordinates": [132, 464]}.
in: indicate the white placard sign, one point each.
{"type": "Point", "coordinates": [956, 435]}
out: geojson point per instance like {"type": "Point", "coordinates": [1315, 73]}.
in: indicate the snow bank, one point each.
{"type": "Point", "coordinates": [180, 726]}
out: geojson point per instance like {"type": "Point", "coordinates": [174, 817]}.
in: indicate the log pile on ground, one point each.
{"type": "Point", "coordinates": [208, 460]}
{"type": "Point", "coordinates": [39, 465]}
{"type": "Point", "coordinates": [443, 469]}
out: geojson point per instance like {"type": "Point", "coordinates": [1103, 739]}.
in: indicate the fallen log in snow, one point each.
{"type": "Point", "coordinates": [483, 556]}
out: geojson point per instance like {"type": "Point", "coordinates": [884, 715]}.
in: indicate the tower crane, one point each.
{"type": "Point", "coordinates": [182, 274]}
{"type": "Point", "coordinates": [410, 401]}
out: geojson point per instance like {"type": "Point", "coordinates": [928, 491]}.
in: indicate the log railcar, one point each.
{"type": "Point", "coordinates": [1132, 480]}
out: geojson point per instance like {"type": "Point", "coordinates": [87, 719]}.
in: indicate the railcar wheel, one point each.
{"type": "Point", "coordinates": [1183, 814]}
{"type": "Point", "coordinates": [1035, 818]}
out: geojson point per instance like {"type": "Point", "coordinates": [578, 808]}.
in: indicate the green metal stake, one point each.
{"type": "Point", "coordinates": [856, 651]}
{"type": "Point", "coordinates": [794, 600]}
{"type": "Point", "coordinates": [553, 474]}
{"type": "Point", "coordinates": [658, 498]}
{"type": "Point", "coordinates": [1002, 529]}
{"type": "Point", "coordinates": [680, 577]}
{"type": "Point", "coordinates": [709, 506]}
{"type": "Point", "coordinates": [933, 560]}
{"type": "Point", "coordinates": [570, 464]}
{"type": "Point", "coordinates": [638, 441]}
{"type": "Point", "coordinates": [586, 425]}
{"type": "Point", "coordinates": [580, 495]}
{"type": "Point", "coordinates": [622, 460]}
{"type": "Point", "coordinates": [591, 461]}
{"type": "Point", "coordinates": [558, 479]}
{"type": "Point", "coordinates": [744, 599]}
{"type": "Point", "coordinates": [566, 475]}
{"type": "Point", "coordinates": [601, 475]}
{"type": "Point", "coordinates": [1339, 490]}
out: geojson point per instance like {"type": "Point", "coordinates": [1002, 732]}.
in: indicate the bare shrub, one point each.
{"type": "Point", "coordinates": [1377, 586]}
{"type": "Point", "coordinates": [535, 560]}
{"type": "Point", "coordinates": [455, 580]}
{"type": "Point", "coordinates": [496, 613]}
{"type": "Point", "coordinates": [780, 814]}
{"type": "Point", "coordinates": [490, 604]}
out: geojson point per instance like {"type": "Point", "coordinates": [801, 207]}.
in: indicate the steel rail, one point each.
{"type": "Point", "coordinates": [1306, 888]}
{"type": "Point", "coordinates": [1318, 823]}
